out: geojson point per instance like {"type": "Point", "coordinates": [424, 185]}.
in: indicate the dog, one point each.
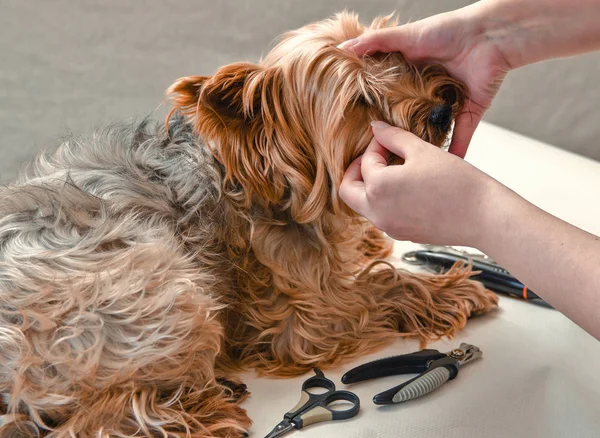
{"type": "Point", "coordinates": [141, 267]}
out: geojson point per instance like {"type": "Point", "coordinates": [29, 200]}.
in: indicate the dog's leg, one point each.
{"type": "Point", "coordinates": [164, 387]}
{"type": "Point", "coordinates": [427, 307]}
{"type": "Point", "coordinates": [327, 327]}
{"type": "Point", "coordinates": [317, 311]}
{"type": "Point", "coordinates": [106, 328]}
{"type": "Point", "coordinates": [140, 411]}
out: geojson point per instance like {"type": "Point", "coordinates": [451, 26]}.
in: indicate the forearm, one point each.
{"type": "Point", "coordinates": [529, 31]}
{"type": "Point", "coordinates": [558, 261]}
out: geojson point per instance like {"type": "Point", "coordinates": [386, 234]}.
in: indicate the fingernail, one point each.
{"type": "Point", "coordinates": [379, 124]}
{"type": "Point", "coordinates": [348, 44]}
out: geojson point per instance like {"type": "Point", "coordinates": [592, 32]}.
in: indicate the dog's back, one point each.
{"type": "Point", "coordinates": [101, 303]}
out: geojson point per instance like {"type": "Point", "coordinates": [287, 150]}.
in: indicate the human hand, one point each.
{"type": "Point", "coordinates": [434, 197]}
{"type": "Point", "coordinates": [457, 41]}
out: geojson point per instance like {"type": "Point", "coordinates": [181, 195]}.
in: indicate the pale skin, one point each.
{"type": "Point", "coordinates": [480, 44]}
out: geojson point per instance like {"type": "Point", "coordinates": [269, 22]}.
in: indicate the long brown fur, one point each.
{"type": "Point", "coordinates": [141, 269]}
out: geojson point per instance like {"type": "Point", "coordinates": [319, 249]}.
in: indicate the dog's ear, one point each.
{"type": "Point", "coordinates": [224, 98]}
{"type": "Point", "coordinates": [251, 120]}
{"type": "Point", "coordinates": [236, 113]}
{"type": "Point", "coordinates": [184, 93]}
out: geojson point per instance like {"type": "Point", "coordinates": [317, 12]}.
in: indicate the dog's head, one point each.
{"type": "Point", "coordinates": [286, 129]}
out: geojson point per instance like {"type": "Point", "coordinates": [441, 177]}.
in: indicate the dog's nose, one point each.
{"type": "Point", "coordinates": [441, 116]}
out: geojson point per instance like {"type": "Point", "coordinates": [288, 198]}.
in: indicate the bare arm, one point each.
{"type": "Point", "coordinates": [536, 30]}
{"type": "Point", "coordinates": [557, 260]}
{"type": "Point", "coordinates": [551, 256]}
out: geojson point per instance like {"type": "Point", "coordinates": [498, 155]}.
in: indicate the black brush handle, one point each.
{"type": "Point", "coordinates": [444, 261]}
{"type": "Point", "coordinates": [493, 277]}
{"type": "Point", "coordinates": [514, 288]}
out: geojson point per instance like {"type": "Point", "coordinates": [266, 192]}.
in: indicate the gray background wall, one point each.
{"type": "Point", "coordinates": [74, 65]}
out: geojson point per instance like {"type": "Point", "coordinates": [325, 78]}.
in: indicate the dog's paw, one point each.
{"type": "Point", "coordinates": [235, 389]}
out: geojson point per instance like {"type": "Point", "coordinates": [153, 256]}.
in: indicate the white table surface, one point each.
{"type": "Point", "coordinates": [540, 373]}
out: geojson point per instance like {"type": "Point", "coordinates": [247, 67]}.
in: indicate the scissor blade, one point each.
{"type": "Point", "coordinates": [282, 428]}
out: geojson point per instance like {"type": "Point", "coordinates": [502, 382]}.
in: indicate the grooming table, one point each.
{"type": "Point", "coordinates": [540, 373]}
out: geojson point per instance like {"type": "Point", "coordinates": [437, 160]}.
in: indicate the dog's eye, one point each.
{"type": "Point", "coordinates": [449, 95]}
{"type": "Point", "coordinates": [361, 101]}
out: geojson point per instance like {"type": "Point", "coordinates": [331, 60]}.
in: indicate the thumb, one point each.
{"type": "Point", "coordinates": [464, 128]}
{"type": "Point", "coordinates": [398, 141]}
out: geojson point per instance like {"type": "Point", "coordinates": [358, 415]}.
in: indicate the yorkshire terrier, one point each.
{"type": "Point", "coordinates": [141, 267]}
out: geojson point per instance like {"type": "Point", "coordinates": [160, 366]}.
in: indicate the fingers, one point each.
{"type": "Point", "coordinates": [391, 39]}
{"type": "Point", "coordinates": [398, 141]}
{"type": "Point", "coordinates": [464, 128]}
{"type": "Point", "coordinates": [353, 173]}
{"type": "Point", "coordinates": [362, 172]}
{"type": "Point", "coordinates": [374, 159]}
{"type": "Point", "coordinates": [352, 189]}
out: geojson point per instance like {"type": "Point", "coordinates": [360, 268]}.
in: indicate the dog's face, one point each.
{"type": "Point", "coordinates": [286, 129]}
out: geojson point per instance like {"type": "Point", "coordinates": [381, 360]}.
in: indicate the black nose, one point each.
{"type": "Point", "coordinates": [441, 116]}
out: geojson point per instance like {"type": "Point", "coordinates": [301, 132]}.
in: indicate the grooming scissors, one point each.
{"type": "Point", "coordinates": [316, 407]}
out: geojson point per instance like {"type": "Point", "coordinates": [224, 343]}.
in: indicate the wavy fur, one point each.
{"type": "Point", "coordinates": [141, 267]}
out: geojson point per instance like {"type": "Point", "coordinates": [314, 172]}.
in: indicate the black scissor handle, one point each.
{"type": "Point", "coordinates": [318, 381]}
{"type": "Point", "coordinates": [318, 409]}
{"type": "Point", "coordinates": [308, 399]}
{"type": "Point", "coordinates": [343, 414]}
{"type": "Point", "coordinates": [314, 408]}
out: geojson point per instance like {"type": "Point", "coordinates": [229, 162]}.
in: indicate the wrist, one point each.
{"type": "Point", "coordinates": [500, 28]}
{"type": "Point", "coordinates": [498, 209]}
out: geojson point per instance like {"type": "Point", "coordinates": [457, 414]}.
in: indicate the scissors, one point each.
{"type": "Point", "coordinates": [315, 407]}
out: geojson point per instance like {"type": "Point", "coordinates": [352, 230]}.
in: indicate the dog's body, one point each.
{"type": "Point", "coordinates": [140, 268]}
